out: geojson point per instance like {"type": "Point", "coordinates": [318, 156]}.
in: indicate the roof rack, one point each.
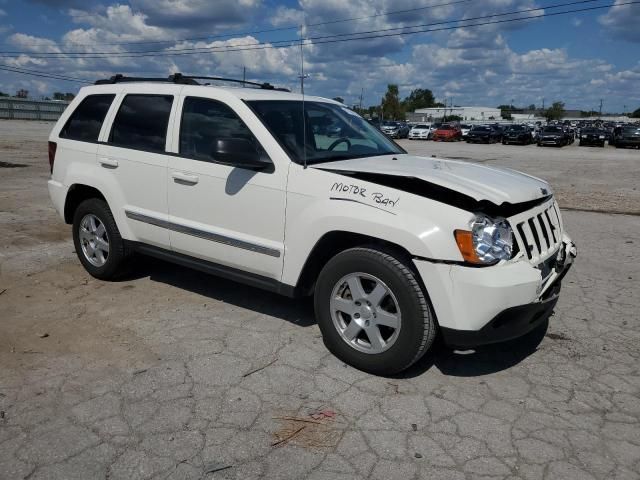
{"type": "Point", "coordinates": [185, 80]}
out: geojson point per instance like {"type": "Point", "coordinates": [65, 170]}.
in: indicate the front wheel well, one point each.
{"type": "Point", "coordinates": [77, 194]}
{"type": "Point", "coordinates": [335, 242]}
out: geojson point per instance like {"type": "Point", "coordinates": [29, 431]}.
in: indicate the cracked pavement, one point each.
{"type": "Point", "coordinates": [173, 374]}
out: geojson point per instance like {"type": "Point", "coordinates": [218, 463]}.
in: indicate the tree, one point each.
{"type": "Point", "coordinates": [339, 99]}
{"type": "Point", "coordinates": [555, 112]}
{"type": "Point", "coordinates": [22, 93]}
{"type": "Point", "coordinates": [2, 94]}
{"type": "Point", "coordinates": [391, 107]}
{"type": "Point", "coordinates": [531, 107]}
{"type": "Point", "coordinates": [418, 98]}
{"type": "Point", "coordinates": [636, 114]}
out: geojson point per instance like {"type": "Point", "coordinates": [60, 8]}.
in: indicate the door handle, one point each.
{"type": "Point", "coordinates": [108, 162]}
{"type": "Point", "coordinates": [180, 177]}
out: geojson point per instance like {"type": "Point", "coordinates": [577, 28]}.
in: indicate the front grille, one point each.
{"type": "Point", "coordinates": [538, 232]}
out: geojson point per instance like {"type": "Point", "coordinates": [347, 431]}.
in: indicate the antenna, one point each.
{"type": "Point", "coordinates": [302, 76]}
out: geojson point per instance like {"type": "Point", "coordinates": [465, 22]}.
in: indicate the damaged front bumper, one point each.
{"type": "Point", "coordinates": [478, 306]}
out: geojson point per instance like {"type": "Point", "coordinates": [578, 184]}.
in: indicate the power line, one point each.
{"type": "Point", "coordinates": [371, 34]}
{"type": "Point", "coordinates": [36, 73]}
{"type": "Point", "coordinates": [381, 36]}
{"type": "Point", "coordinates": [255, 32]}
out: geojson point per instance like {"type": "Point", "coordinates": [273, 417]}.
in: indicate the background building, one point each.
{"type": "Point", "coordinates": [465, 113]}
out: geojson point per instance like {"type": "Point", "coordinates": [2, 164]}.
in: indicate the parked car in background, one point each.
{"type": "Point", "coordinates": [571, 133]}
{"type": "Point", "coordinates": [483, 134]}
{"type": "Point", "coordinates": [395, 129]}
{"type": "Point", "coordinates": [629, 137]}
{"type": "Point", "coordinates": [592, 136]}
{"type": "Point", "coordinates": [421, 131]}
{"type": "Point", "coordinates": [466, 128]}
{"type": "Point", "coordinates": [448, 132]}
{"type": "Point", "coordinates": [553, 135]}
{"type": "Point", "coordinates": [517, 134]}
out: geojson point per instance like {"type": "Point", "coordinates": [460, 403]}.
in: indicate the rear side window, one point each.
{"type": "Point", "coordinates": [86, 121]}
{"type": "Point", "coordinates": [204, 122]}
{"type": "Point", "coordinates": [141, 122]}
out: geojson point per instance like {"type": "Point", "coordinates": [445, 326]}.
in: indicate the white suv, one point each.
{"type": "Point", "coordinates": [247, 184]}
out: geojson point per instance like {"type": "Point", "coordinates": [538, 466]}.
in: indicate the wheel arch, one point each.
{"type": "Point", "coordinates": [334, 242]}
{"type": "Point", "coordinates": [77, 194]}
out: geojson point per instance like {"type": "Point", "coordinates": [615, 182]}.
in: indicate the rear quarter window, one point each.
{"type": "Point", "coordinates": [85, 122]}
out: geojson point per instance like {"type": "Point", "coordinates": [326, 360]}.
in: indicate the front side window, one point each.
{"type": "Point", "coordinates": [318, 132]}
{"type": "Point", "coordinates": [141, 122]}
{"type": "Point", "coordinates": [85, 122]}
{"type": "Point", "coordinates": [206, 121]}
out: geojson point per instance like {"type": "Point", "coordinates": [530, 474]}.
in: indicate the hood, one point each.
{"type": "Point", "coordinates": [479, 182]}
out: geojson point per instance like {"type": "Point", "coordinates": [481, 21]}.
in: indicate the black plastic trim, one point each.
{"type": "Point", "coordinates": [509, 324]}
{"type": "Point", "coordinates": [195, 232]}
{"type": "Point", "coordinates": [252, 279]}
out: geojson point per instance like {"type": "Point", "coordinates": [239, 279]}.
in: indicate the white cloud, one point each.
{"type": "Point", "coordinates": [285, 16]}
{"type": "Point", "coordinates": [198, 14]}
{"type": "Point", "coordinates": [471, 65]}
{"type": "Point", "coordinates": [623, 21]}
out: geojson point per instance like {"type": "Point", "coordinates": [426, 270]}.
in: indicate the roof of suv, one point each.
{"type": "Point", "coordinates": [239, 92]}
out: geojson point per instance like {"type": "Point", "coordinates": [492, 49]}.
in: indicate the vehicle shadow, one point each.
{"type": "Point", "coordinates": [481, 361]}
{"type": "Point", "coordinates": [298, 311]}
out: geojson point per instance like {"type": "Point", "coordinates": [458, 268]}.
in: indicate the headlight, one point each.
{"type": "Point", "coordinates": [487, 242]}
{"type": "Point", "coordinates": [602, 137]}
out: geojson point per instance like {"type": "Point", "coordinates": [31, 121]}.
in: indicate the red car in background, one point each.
{"type": "Point", "coordinates": [448, 132]}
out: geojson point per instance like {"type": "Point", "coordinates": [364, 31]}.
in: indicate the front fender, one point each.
{"type": "Point", "coordinates": [316, 207]}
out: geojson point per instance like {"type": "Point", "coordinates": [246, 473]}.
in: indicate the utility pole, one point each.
{"type": "Point", "coordinates": [302, 77]}
{"type": "Point", "coordinates": [361, 95]}
{"type": "Point", "coordinates": [600, 108]}
{"type": "Point", "coordinates": [543, 104]}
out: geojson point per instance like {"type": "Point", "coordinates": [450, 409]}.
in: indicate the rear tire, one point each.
{"type": "Point", "coordinates": [358, 326]}
{"type": "Point", "coordinates": [98, 243]}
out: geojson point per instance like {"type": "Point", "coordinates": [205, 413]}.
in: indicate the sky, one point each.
{"type": "Point", "coordinates": [578, 58]}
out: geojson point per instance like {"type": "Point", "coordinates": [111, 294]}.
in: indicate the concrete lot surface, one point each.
{"type": "Point", "coordinates": [173, 374]}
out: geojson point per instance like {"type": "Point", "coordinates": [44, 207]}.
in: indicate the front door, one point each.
{"type": "Point", "coordinates": [225, 214]}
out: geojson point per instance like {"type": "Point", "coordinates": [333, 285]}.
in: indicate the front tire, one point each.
{"type": "Point", "coordinates": [97, 240]}
{"type": "Point", "coordinates": [372, 311]}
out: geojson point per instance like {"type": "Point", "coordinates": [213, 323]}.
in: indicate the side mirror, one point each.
{"type": "Point", "coordinates": [239, 152]}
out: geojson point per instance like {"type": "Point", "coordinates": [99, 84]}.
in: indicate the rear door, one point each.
{"type": "Point", "coordinates": [133, 151]}
{"type": "Point", "coordinates": [225, 214]}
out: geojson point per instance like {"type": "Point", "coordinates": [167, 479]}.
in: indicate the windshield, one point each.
{"type": "Point", "coordinates": [354, 137]}
{"type": "Point", "coordinates": [481, 129]}
{"type": "Point", "coordinates": [421, 127]}
{"type": "Point", "coordinates": [515, 128]}
{"type": "Point", "coordinates": [446, 127]}
{"type": "Point", "coordinates": [552, 129]}
{"type": "Point", "coordinates": [631, 129]}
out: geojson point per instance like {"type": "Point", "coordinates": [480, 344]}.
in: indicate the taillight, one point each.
{"type": "Point", "coordinates": [52, 154]}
